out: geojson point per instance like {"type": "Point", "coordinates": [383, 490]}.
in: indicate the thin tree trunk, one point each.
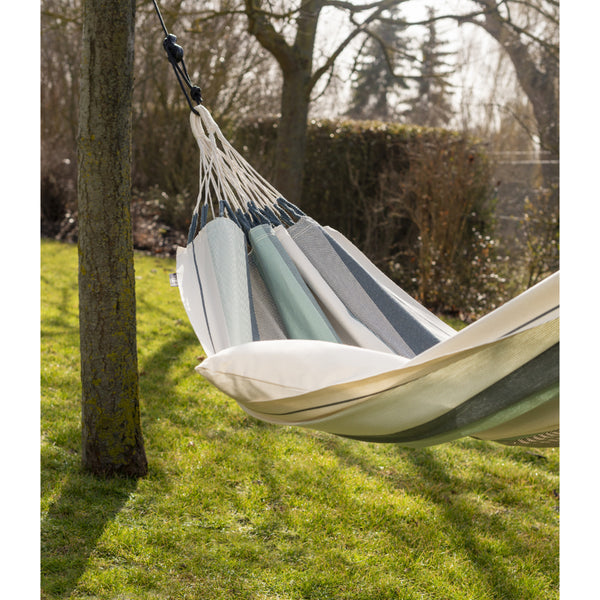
{"type": "Point", "coordinates": [111, 434]}
{"type": "Point", "coordinates": [296, 62]}
{"type": "Point", "coordinates": [291, 135]}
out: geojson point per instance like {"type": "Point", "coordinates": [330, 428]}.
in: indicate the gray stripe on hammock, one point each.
{"type": "Point", "coordinates": [301, 314]}
{"type": "Point", "coordinates": [312, 240]}
{"type": "Point", "coordinates": [253, 320]}
{"type": "Point", "coordinates": [418, 337]}
{"type": "Point", "coordinates": [534, 377]}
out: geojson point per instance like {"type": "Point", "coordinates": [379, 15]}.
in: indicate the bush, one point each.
{"type": "Point", "coordinates": [161, 221]}
{"type": "Point", "coordinates": [541, 229]}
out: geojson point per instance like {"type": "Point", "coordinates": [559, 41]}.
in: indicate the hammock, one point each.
{"type": "Point", "coordinates": [301, 329]}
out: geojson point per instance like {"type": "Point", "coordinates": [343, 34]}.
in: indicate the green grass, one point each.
{"type": "Point", "coordinates": [233, 508]}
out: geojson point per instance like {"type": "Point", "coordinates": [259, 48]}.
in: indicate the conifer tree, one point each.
{"type": "Point", "coordinates": [376, 82]}
{"type": "Point", "coordinates": [431, 105]}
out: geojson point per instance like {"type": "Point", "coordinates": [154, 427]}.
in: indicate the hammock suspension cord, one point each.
{"type": "Point", "coordinates": [175, 56]}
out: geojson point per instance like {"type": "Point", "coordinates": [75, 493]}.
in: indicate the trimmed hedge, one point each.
{"type": "Point", "coordinates": [418, 201]}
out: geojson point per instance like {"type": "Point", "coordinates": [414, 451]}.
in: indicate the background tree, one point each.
{"type": "Point", "coordinates": [236, 76]}
{"type": "Point", "coordinates": [431, 106]}
{"type": "Point", "coordinates": [374, 73]}
{"type": "Point", "coordinates": [242, 78]}
{"type": "Point", "coordinates": [526, 171]}
{"type": "Point", "coordinates": [293, 47]}
{"type": "Point", "coordinates": [239, 79]}
{"type": "Point", "coordinates": [527, 30]}
{"type": "Point", "coordinates": [486, 112]}
{"type": "Point", "coordinates": [111, 434]}
{"type": "Point", "coordinates": [60, 57]}
{"type": "Point", "coordinates": [285, 71]}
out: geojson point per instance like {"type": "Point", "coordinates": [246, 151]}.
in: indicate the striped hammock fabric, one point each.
{"type": "Point", "coordinates": [300, 328]}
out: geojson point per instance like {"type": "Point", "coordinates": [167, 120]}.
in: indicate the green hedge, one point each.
{"type": "Point", "coordinates": [418, 201]}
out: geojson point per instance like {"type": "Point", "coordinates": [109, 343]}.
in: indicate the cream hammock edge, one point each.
{"type": "Point", "coordinates": [300, 328]}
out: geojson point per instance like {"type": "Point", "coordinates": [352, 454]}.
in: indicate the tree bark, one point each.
{"type": "Point", "coordinates": [290, 149]}
{"type": "Point", "coordinates": [112, 441]}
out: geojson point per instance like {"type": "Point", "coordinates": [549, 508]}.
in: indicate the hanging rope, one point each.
{"type": "Point", "coordinates": [175, 55]}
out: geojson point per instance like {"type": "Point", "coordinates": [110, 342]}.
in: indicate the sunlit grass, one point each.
{"type": "Point", "coordinates": [233, 508]}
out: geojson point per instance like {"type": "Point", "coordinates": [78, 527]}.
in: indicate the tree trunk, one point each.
{"type": "Point", "coordinates": [296, 63]}
{"type": "Point", "coordinates": [291, 135]}
{"type": "Point", "coordinates": [112, 441]}
{"type": "Point", "coordinates": [538, 79]}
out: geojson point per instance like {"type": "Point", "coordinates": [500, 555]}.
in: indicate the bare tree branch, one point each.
{"type": "Point", "coordinates": [356, 8]}
{"type": "Point", "coordinates": [269, 38]}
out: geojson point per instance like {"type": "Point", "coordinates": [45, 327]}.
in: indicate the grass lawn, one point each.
{"type": "Point", "coordinates": [233, 508]}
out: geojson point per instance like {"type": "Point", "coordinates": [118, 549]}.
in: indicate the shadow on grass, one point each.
{"type": "Point", "coordinates": [86, 505]}
{"type": "Point", "coordinates": [488, 538]}
{"type": "Point", "coordinates": [157, 382]}
{"type": "Point", "coordinates": [485, 533]}
{"type": "Point", "coordinates": [73, 525]}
